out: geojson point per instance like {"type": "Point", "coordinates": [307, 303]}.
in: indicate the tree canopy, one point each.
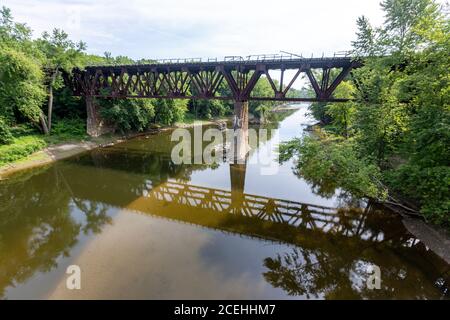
{"type": "Point", "coordinates": [399, 120]}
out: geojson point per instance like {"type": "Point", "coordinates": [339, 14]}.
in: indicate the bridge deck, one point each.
{"type": "Point", "coordinates": [272, 64]}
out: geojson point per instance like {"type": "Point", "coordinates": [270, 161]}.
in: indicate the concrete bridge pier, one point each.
{"type": "Point", "coordinates": [240, 127]}
{"type": "Point", "coordinates": [240, 115]}
{"type": "Point", "coordinates": [95, 125]}
{"type": "Point", "coordinates": [237, 177]}
{"type": "Point", "coordinates": [238, 166]}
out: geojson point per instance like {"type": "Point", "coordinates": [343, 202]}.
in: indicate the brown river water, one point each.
{"type": "Point", "coordinates": [141, 227]}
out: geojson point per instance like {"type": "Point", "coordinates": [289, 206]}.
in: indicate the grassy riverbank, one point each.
{"type": "Point", "coordinates": [30, 149]}
{"type": "Point", "coordinates": [26, 140]}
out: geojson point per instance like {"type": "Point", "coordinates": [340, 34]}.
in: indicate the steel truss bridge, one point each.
{"type": "Point", "coordinates": [179, 79]}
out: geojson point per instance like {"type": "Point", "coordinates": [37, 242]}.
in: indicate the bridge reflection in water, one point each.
{"type": "Point", "coordinates": [320, 251]}
{"type": "Point", "coordinates": [332, 247]}
{"type": "Point", "coordinates": [197, 204]}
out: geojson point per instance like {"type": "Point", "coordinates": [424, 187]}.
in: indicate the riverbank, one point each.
{"type": "Point", "coordinates": [434, 236]}
{"type": "Point", "coordinates": [68, 149]}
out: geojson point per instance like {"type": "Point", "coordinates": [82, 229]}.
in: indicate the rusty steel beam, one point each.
{"type": "Point", "coordinates": [285, 99]}
{"type": "Point", "coordinates": [201, 80]}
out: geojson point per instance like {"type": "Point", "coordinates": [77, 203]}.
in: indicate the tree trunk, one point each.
{"type": "Point", "coordinates": [50, 100]}
{"type": "Point", "coordinates": [43, 123]}
{"type": "Point", "coordinates": [345, 125]}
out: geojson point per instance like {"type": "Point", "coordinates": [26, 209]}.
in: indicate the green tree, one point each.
{"type": "Point", "coordinates": [61, 53]}
{"type": "Point", "coordinates": [168, 112]}
{"type": "Point", "coordinates": [208, 108]}
{"type": "Point", "coordinates": [404, 22]}
{"type": "Point", "coordinates": [366, 38]}
{"type": "Point", "coordinates": [399, 122]}
{"type": "Point", "coordinates": [21, 89]}
{"type": "Point", "coordinates": [342, 114]}
{"type": "Point", "coordinates": [262, 109]}
{"type": "Point", "coordinates": [128, 114]}
{"type": "Point", "coordinates": [403, 117]}
{"type": "Point", "coordinates": [13, 33]}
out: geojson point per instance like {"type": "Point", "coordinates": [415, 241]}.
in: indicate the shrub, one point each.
{"type": "Point", "coordinates": [67, 129]}
{"type": "Point", "coordinates": [167, 112]}
{"type": "Point", "coordinates": [21, 90]}
{"type": "Point", "coordinates": [429, 186]}
{"type": "Point", "coordinates": [73, 127]}
{"type": "Point", "coordinates": [128, 114]}
{"type": "Point", "coordinates": [5, 134]}
{"type": "Point", "coordinates": [21, 148]}
{"type": "Point", "coordinates": [331, 164]}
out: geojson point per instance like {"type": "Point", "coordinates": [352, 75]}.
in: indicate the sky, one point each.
{"type": "Point", "coordinates": [158, 29]}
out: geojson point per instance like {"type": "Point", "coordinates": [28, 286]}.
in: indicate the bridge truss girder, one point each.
{"type": "Point", "coordinates": [203, 80]}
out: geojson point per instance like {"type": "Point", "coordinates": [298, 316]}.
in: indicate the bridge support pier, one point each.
{"type": "Point", "coordinates": [237, 177]}
{"type": "Point", "coordinates": [95, 125]}
{"type": "Point", "coordinates": [240, 115]}
{"type": "Point", "coordinates": [240, 127]}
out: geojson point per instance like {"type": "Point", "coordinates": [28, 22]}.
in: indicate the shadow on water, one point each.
{"type": "Point", "coordinates": [48, 214]}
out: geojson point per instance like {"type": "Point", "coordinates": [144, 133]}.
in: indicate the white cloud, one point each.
{"type": "Point", "coordinates": [201, 28]}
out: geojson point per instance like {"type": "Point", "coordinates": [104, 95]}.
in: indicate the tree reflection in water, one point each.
{"type": "Point", "coordinates": [317, 273]}
{"type": "Point", "coordinates": [45, 211]}
{"type": "Point", "coordinates": [38, 226]}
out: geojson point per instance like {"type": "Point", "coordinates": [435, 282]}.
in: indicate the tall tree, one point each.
{"type": "Point", "coordinates": [61, 53]}
{"type": "Point", "coordinates": [21, 90]}
{"type": "Point", "coordinates": [403, 21]}
{"type": "Point", "coordinates": [364, 45]}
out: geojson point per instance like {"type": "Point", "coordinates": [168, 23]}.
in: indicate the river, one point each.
{"type": "Point", "coordinates": [139, 226]}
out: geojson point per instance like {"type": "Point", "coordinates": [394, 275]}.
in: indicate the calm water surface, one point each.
{"type": "Point", "coordinates": [140, 226]}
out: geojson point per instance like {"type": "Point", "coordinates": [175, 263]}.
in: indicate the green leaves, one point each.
{"type": "Point", "coordinates": [167, 112]}
{"type": "Point", "coordinates": [404, 20]}
{"type": "Point", "coordinates": [21, 89]}
{"type": "Point", "coordinates": [60, 51]}
{"type": "Point", "coordinates": [208, 108]}
{"type": "Point", "coordinates": [11, 31]}
{"type": "Point", "coordinates": [398, 128]}
{"type": "Point", "coordinates": [332, 163]}
{"type": "Point", "coordinates": [366, 37]}
{"type": "Point", "coordinates": [129, 114]}
{"type": "Point", "coordinates": [5, 134]}
{"type": "Point", "coordinates": [408, 25]}
{"type": "Point", "coordinates": [429, 187]}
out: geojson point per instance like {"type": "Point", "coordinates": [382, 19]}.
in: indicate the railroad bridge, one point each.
{"type": "Point", "coordinates": [196, 79]}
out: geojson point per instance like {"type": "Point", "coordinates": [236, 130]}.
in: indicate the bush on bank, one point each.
{"type": "Point", "coordinates": [5, 133]}
{"type": "Point", "coordinates": [333, 163]}
{"type": "Point", "coordinates": [20, 148]}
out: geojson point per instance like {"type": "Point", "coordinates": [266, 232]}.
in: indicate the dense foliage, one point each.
{"type": "Point", "coordinates": [5, 133]}
{"type": "Point", "coordinates": [329, 164]}
{"type": "Point", "coordinates": [399, 121]}
{"type": "Point", "coordinates": [21, 147]}
{"type": "Point", "coordinates": [21, 89]}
